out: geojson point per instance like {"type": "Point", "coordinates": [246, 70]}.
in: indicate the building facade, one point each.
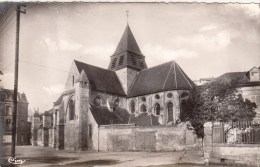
{"type": "Point", "coordinates": [126, 93]}
{"type": "Point", "coordinates": [6, 111]}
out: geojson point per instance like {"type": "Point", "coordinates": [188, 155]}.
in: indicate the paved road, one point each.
{"type": "Point", "coordinates": [43, 156]}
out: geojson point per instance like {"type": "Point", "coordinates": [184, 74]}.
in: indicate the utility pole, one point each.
{"type": "Point", "coordinates": [18, 11]}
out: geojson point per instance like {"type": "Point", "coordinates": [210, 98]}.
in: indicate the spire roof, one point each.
{"type": "Point", "coordinates": [82, 77]}
{"type": "Point", "coordinates": [127, 53]}
{"type": "Point", "coordinates": [128, 43]}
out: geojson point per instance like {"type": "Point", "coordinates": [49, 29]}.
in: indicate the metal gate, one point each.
{"type": "Point", "coordinates": [145, 141]}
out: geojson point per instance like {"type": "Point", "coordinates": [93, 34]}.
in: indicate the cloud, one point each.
{"type": "Point", "coordinates": [99, 50]}
{"type": "Point", "coordinates": [54, 89]}
{"type": "Point", "coordinates": [68, 45]}
{"type": "Point", "coordinates": [218, 41]}
{"type": "Point", "coordinates": [167, 54]}
{"type": "Point", "coordinates": [209, 27]}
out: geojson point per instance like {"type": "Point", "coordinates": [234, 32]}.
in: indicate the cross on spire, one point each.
{"type": "Point", "coordinates": [127, 15]}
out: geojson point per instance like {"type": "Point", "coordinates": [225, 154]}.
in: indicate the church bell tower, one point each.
{"type": "Point", "coordinates": [127, 60]}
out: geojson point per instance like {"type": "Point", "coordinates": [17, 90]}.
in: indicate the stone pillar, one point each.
{"type": "Point", "coordinates": [35, 126]}
{"type": "Point", "coordinates": [207, 142]}
{"type": "Point", "coordinates": [45, 132]}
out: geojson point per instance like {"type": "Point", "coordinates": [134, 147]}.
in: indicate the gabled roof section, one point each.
{"type": "Point", "coordinates": [101, 79]}
{"type": "Point", "coordinates": [128, 43]}
{"type": "Point", "coordinates": [164, 77]}
{"type": "Point", "coordinates": [240, 77]}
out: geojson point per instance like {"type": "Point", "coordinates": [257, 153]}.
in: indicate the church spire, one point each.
{"type": "Point", "coordinates": [128, 43]}
{"type": "Point", "coordinates": [127, 15]}
{"type": "Point", "coordinates": [127, 53]}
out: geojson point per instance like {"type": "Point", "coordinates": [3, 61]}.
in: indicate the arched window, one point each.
{"type": "Point", "coordinates": [170, 111]}
{"type": "Point", "coordinates": [157, 109]}
{"type": "Point", "coordinates": [116, 102]}
{"type": "Point", "coordinates": [132, 107]}
{"type": "Point", "coordinates": [97, 101]}
{"type": "Point", "coordinates": [71, 109]}
{"type": "Point", "coordinates": [143, 108]}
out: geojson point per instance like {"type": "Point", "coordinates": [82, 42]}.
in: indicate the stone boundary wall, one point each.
{"type": "Point", "coordinates": [136, 138]}
{"type": "Point", "coordinates": [240, 153]}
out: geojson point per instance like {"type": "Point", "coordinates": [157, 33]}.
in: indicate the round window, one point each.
{"type": "Point", "coordinates": [143, 99]}
{"type": "Point", "coordinates": [157, 96]}
{"type": "Point", "coordinates": [169, 95]}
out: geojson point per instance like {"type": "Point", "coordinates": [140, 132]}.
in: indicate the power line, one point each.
{"type": "Point", "coordinates": [8, 65]}
{"type": "Point", "coordinates": [44, 66]}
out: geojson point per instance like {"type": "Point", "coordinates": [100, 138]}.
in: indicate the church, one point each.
{"type": "Point", "coordinates": [126, 93]}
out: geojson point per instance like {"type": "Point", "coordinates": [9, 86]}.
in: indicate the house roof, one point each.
{"type": "Point", "coordinates": [240, 77]}
{"type": "Point", "coordinates": [164, 77]}
{"type": "Point", "coordinates": [127, 43]}
{"type": "Point", "coordinates": [20, 97]}
{"type": "Point", "coordinates": [101, 79]}
{"type": "Point", "coordinates": [234, 76]}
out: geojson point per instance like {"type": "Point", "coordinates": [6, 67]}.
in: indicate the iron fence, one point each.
{"type": "Point", "coordinates": [237, 132]}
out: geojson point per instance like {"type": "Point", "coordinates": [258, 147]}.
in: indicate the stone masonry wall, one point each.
{"type": "Point", "coordinates": [133, 138]}
{"type": "Point", "coordinates": [126, 77]}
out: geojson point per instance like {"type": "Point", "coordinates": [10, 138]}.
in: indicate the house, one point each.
{"type": "Point", "coordinates": [6, 112]}
{"type": "Point", "coordinates": [248, 84]}
{"type": "Point", "coordinates": [127, 93]}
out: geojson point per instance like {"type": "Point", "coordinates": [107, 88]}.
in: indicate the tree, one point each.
{"type": "Point", "coordinates": [216, 101]}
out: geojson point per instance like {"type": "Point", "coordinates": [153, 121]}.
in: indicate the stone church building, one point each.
{"type": "Point", "coordinates": [127, 93]}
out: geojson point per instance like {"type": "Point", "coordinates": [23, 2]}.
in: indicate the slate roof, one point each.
{"type": "Point", "coordinates": [144, 119]}
{"type": "Point", "coordinates": [127, 43]}
{"type": "Point", "coordinates": [240, 77]}
{"type": "Point", "coordinates": [20, 97]}
{"type": "Point", "coordinates": [233, 76]}
{"type": "Point", "coordinates": [127, 53]}
{"type": "Point", "coordinates": [103, 116]}
{"type": "Point", "coordinates": [164, 77]}
{"type": "Point", "coordinates": [101, 79]}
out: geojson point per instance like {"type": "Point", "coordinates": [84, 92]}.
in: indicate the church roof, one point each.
{"type": "Point", "coordinates": [143, 119]}
{"type": "Point", "coordinates": [127, 43]}
{"type": "Point", "coordinates": [164, 77]}
{"type": "Point", "coordinates": [103, 116]}
{"type": "Point", "coordinates": [101, 79]}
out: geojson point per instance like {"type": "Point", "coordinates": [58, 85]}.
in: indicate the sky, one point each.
{"type": "Point", "coordinates": [206, 40]}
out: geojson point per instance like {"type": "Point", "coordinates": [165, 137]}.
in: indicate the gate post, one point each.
{"type": "Point", "coordinates": [207, 142]}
